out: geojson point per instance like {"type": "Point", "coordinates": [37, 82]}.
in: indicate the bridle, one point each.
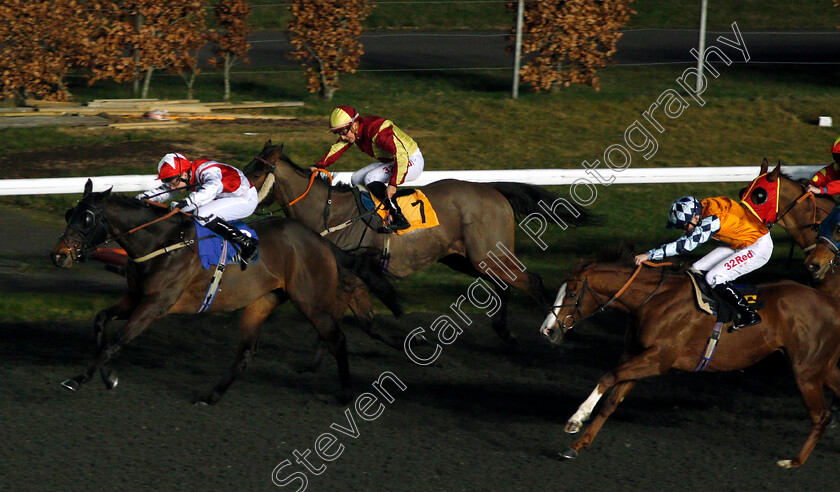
{"type": "Point", "coordinates": [603, 305]}
{"type": "Point", "coordinates": [91, 231]}
{"type": "Point", "coordinates": [93, 234]}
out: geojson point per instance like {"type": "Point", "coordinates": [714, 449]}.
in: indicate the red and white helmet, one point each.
{"type": "Point", "coordinates": [173, 164]}
{"type": "Point", "coordinates": [342, 117]}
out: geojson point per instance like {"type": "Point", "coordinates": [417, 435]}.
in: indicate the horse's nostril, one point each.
{"type": "Point", "coordinates": [812, 267]}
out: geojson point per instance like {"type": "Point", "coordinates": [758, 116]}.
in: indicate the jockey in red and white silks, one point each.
{"type": "Point", "coordinates": [220, 193]}
{"type": "Point", "coordinates": [220, 190]}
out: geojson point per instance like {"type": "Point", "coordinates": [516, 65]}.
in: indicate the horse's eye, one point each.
{"type": "Point", "coordinates": [758, 195]}
{"type": "Point", "coordinates": [572, 295]}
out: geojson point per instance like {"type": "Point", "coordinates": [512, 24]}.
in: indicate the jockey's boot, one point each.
{"type": "Point", "coordinates": [746, 314]}
{"type": "Point", "coordinates": [246, 244]}
{"type": "Point", "coordinates": [398, 220]}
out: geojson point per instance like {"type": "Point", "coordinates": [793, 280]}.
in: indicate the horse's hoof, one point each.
{"type": "Point", "coordinates": [199, 402]}
{"type": "Point", "coordinates": [572, 427]}
{"type": "Point", "coordinates": [110, 380]}
{"type": "Point", "coordinates": [71, 384]}
{"type": "Point", "coordinates": [568, 454]}
{"type": "Point", "coordinates": [787, 464]}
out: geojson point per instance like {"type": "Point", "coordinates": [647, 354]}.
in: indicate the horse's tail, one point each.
{"type": "Point", "coordinates": [365, 263]}
{"type": "Point", "coordinates": [525, 199]}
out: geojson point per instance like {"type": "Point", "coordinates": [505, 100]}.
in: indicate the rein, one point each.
{"type": "Point", "coordinates": [627, 284]}
{"type": "Point", "coordinates": [312, 180]}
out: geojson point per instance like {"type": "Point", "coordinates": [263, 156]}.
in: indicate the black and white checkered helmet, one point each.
{"type": "Point", "coordinates": [682, 211]}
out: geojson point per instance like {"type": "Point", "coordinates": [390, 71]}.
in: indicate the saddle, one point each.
{"type": "Point", "coordinates": [210, 245]}
{"type": "Point", "coordinates": [414, 204]}
{"type": "Point", "coordinates": [708, 301]}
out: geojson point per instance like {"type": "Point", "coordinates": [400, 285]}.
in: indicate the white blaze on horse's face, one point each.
{"type": "Point", "coordinates": [550, 322]}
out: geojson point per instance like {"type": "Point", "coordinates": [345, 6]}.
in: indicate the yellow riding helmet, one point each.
{"type": "Point", "coordinates": [342, 117]}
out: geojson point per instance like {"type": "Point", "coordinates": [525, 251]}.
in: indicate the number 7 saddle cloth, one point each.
{"type": "Point", "coordinates": [415, 206]}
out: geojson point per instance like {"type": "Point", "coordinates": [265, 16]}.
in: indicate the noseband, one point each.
{"type": "Point", "coordinates": [602, 306]}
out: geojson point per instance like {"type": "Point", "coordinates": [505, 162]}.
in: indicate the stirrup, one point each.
{"type": "Point", "coordinates": [740, 324]}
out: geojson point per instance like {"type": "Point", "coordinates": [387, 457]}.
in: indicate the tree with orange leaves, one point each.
{"type": "Point", "coordinates": [325, 35]}
{"type": "Point", "coordinates": [231, 43]}
{"type": "Point", "coordinates": [40, 43]}
{"type": "Point", "coordinates": [570, 40]}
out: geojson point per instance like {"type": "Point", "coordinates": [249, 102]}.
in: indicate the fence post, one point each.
{"type": "Point", "coordinates": [520, 13]}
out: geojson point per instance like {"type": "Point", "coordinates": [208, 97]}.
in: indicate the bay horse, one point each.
{"type": "Point", "coordinates": [668, 332]}
{"type": "Point", "coordinates": [295, 264]}
{"type": "Point", "coordinates": [475, 235]}
{"type": "Point", "coordinates": [822, 261]}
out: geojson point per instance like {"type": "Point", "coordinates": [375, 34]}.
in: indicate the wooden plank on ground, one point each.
{"type": "Point", "coordinates": [254, 116]}
{"type": "Point", "coordinates": [49, 104]}
{"type": "Point", "coordinates": [108, 101]}
{"type": "Point", "coordinates": [147, 125]}
{"type": "Point", "coordinates": [290, 104]}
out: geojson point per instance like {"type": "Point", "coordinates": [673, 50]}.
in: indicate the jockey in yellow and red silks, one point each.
{"type": "Point", "coordinates": [399, 157]}
{"type": "Point", "coordinates": [826, 181]}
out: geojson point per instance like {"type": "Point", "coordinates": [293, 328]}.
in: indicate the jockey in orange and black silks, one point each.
{"type": "Point", "coordinates": [746, 247]}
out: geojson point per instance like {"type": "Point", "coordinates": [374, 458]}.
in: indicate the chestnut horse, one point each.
{"type": "Point", "coordinates": [669, 332]}
{"type": "Point", "coordinates": [475, 235]}
{"type": "Point", "coordinates": [799, 213]}
{"type": "Point", "coordinates": [295, 264]}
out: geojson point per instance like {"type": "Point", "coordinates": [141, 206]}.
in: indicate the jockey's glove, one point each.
{"type": "Point", "coordinates": [180, 204]}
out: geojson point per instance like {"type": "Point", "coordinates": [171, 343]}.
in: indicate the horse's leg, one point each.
{"type": "Point", "coordinates": [252, 318]}
{"type": "Point", "coordinates": [120, 310]}
{"type": "Point", "coordinates": [327, 327]}
{"type": "Point", "coordinates": [149, 310]}
{"type": "Point", "coordinates": [651, 362]}
{"type": "Point", "coordinates": [811, 388]}
{"type": "Point", "coordinates": [360, 305]}
{"type": "Point", "coordinates": [463, 265]}
{"type": "Point", "coordinates": [615, 397]}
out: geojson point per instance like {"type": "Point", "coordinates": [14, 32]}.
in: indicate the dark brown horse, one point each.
{"type": "Point", "coordinates": [668, 332]}
{"type": "Point", "coordinates": [295, 264]}
{"type": "Point", "coordinates": [475, 235]}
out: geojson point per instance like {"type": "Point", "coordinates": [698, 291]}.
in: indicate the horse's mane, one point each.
{"type": "Point", "coordinates": [341, 187]}
{"type": "Point", "coordinates": [621, 254]}
{"type": "Point", "coordinates": [131, 202]}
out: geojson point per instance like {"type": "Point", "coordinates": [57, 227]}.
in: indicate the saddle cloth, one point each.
{"type": "Point", "coordinates": [708, 301]}
{"type": "Point", "coordinates": [415, 206]}
{"type": "Point", "coordinates": [210, 245]}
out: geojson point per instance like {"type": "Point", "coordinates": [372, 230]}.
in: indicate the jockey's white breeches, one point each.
{"type": "Point", "coordinates": [382, 171]}
{"type": "Point", "coordinates": [725, 264]}
{"type": "Point", "coordinates": [228, 208]}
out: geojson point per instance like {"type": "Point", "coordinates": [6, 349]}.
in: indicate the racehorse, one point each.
{"type": "Point", "coordinates": [165, 276]}
{"type": "Point", "coordinates": [475, 235]}
{"type": "Point", "coordinates": [799, 212]}
{"type": "Point", "coordinates": [668, 332]}
{"type": "Point", "coordinates": [823, 259]}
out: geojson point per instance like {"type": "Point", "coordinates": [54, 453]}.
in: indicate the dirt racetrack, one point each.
{"type": "Point", "coordinates": [480, 418]}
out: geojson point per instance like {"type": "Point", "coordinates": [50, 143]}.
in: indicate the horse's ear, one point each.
{"type": "Point", "coordinates": [108, 191]}
{"type": "Point", "coordinates": [281, 147]}
{"type": "Point", "coordinates": [267, 145]}
{"type": "Point", "coordinates": [774, 175]}
{"type": "Point", "coordinates": [88, 187]}
{"type": "Point", "coordinates": [764, 166]}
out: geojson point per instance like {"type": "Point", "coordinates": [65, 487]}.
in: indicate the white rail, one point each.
{"type": "Point", "coordinates": [545, 177]}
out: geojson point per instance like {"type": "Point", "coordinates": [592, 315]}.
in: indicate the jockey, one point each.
{"type": "Point", "coordinates": [399, 157]}
{"type": "Point", "coordinates": [825, 181]}
{"type": "Point", "coordinates": [748, 246]}
{"type": "Point", "coordinates": [221, 193]}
